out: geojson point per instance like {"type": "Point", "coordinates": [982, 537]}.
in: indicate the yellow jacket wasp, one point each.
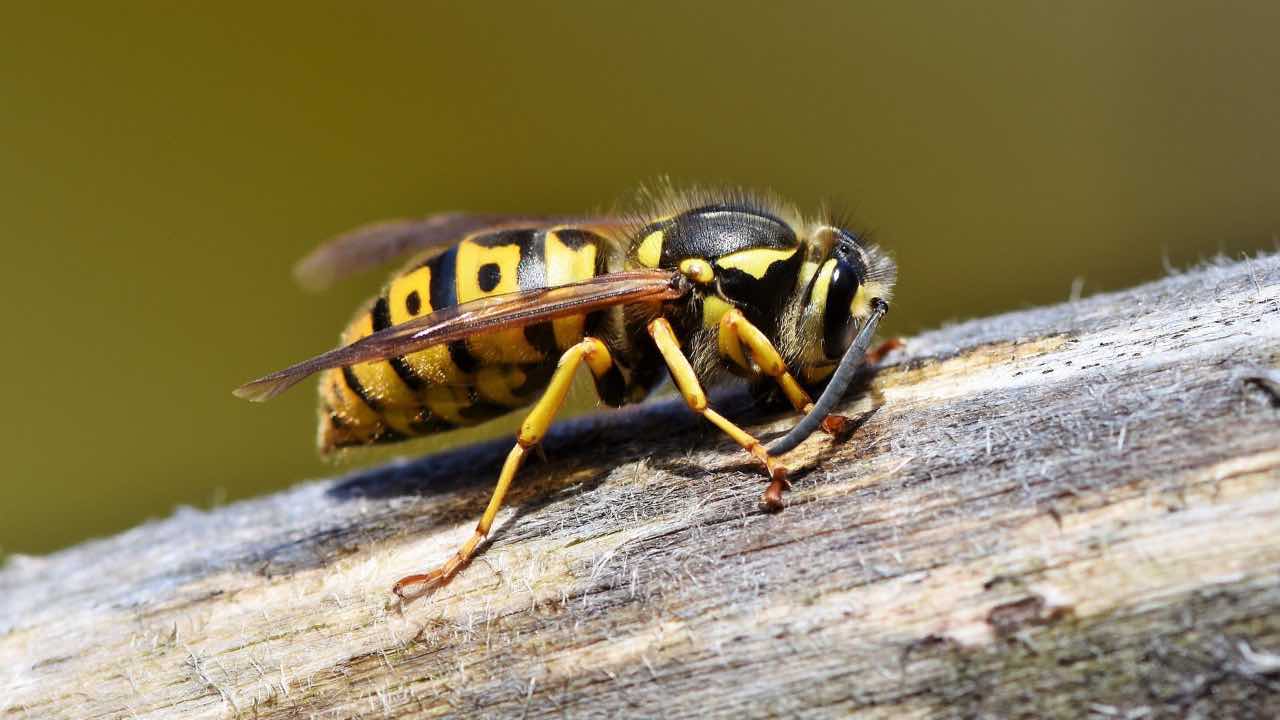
{"type": "Point", "coordinates": [498, 312]}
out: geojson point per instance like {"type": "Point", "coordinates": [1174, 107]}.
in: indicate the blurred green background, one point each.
{"type": "Point", "coordinates": [161, 168]}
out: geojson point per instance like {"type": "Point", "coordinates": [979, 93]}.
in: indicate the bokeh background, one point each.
{"type": "Point", "coordinates": [162, 165]}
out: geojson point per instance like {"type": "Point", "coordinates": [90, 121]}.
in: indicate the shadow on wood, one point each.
{"type": "Point", "coordinates": [1056, 512]}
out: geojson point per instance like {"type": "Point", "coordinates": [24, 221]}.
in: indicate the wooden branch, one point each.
{"type": "Point", "coordinates": [1059, 512]}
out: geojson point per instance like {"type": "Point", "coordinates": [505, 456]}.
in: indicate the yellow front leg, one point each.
{"type": "Point", "coordinates": [737, 332]}
{"type": "Point", "coordinates": [682, 373]}
{"type": "Point", "coordinates": [736, 329]}
{"type": "Point", "coordinates": [591, 351]}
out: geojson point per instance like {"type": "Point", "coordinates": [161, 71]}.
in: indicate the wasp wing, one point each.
{"type": "Point", "coordinates": [372, 245]}
{"type": "Point", "coordinates": [498, 312]}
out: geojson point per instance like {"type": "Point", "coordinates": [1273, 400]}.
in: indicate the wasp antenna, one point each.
{"type": "Point", "coordinates": [835, 389]}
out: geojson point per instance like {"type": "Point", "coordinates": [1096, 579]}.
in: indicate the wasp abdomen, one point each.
{"type": "Point", "coordinates": [467, 381]}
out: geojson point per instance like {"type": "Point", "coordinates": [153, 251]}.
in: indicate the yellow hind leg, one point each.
{"type": "Point", "coordinates": [591, 351]}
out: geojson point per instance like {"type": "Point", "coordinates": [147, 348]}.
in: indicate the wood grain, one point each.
{"type": "Point", "coordinates": [1060, 512]}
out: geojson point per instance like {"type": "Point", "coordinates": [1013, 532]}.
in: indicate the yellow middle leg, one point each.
{"type": "Point", "coordinates": [591, 351]}
{"type": "Point", "coordinates": [682, 373]}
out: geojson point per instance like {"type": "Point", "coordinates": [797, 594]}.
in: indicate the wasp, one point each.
{"type": "Point", "coordinates": [495, 313]}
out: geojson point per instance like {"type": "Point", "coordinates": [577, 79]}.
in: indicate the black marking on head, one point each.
{"type": "Point", "coordinates": [413, 302]}
{"type": "Point", "coordinates": [335, 419]}
{"type": "Point", "coordinates": [488, 276]}
{"type": "Point", "coordinates": [715, 230]}
{"type": "Point", "coordinates": [353, 383]}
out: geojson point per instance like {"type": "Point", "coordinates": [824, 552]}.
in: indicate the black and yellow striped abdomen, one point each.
{"type": "Point", "coordinates": [468, 381]}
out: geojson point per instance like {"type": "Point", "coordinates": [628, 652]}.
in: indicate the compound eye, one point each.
{"type": "Point", "coordinates": [838, 325]}
{"type": "Point", "coordinates": [844, 279]}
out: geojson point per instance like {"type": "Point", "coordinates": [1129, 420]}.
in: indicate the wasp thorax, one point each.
{"type": "Point", "coordinates": [746, 257]}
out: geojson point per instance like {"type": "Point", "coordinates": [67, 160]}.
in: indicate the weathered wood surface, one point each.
{"type": "Point", "coordinates": [1059, 512]}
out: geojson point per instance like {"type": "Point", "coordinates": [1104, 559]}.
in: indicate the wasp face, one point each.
{"type": "Point", "coordinates": [839, 294]}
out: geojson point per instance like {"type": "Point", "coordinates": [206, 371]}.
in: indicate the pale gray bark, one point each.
{"type": "Point", "coordinates": [1056, 512]}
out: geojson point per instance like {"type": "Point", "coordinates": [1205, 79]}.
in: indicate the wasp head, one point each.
{"type": "Point", "coordinates": [846, 275]}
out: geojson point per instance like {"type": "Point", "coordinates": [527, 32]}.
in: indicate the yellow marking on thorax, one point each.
{"type": "Point", "coordinates": [432, 364]}
{"type": "Point", "coordinates": [565, 265]}
{"type": "Point", "coordinates": [503, 346]}
{"type": "Point", "coordinates": [755, 261]}
{"type": "Point", "coordinates": [649, 253]}
{"type": "Point", "coordinates": [697, 270]}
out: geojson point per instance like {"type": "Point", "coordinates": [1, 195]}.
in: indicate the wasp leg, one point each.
{"type": "Point", "coordinates": [735, 327]}
{"type": "Point", "coordinates": [877, 353]}
{"type": "Point", "coordinates": [736, 332]}
{"type": "Point", "coordinates": [682, 373]}
{"type": "Point", "coordinates": [534, 428]}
